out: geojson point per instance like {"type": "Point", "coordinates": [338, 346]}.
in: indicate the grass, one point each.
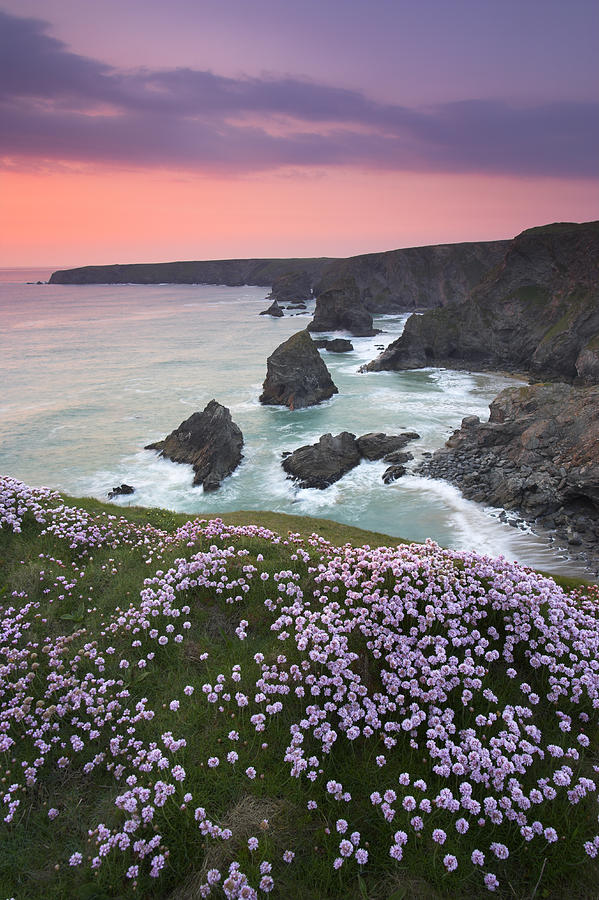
{"type": "Point", "coordinates": [70, 594]}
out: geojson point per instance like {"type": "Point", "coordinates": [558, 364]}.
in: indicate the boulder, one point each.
{"type": "Point", "coordinates": [273, 310]}
{"type": "Point", "coordinates": [339, 345]}
{"type": "Point", "coordinates": [296, 375]}
{"type": "Point", "coordinates": [120, 491]}
{"type": "Point", "coordinates": [320, 465]}
{"type": "Point", "coordinates": [209, 441]}
{"type": "Point", "coordinates": [393, 473]}
{"type": "Point", "coordinates": [340, 309]}
{"type": "Point", "coordinates": [376, 445]}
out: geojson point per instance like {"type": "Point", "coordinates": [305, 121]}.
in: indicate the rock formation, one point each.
{"type": "Point", "coordinates": [537, 312]}
{"type": "Point", "coordinates": [339, 345]}
{"type": "Point", "coordinates": [296, 375]}
{"type": "Point", "coordinates": [120, 491]}
{"type": "Point", "coordinates": [319, 465]}
{"type": "Point", "coordinates": [273, 310]}
{"type": "Point", "coordinates": [395, 280]}
{"type": "Point", "coordinates": [292, 287]}
{"type": "Point", "coordinates": [340, 309]}
{"type": "Point", "coordinates": [376, 445]}
{"type": "Point", "coordinates": [538, 454]}
{"type": "Point", "coordinates": [209, 441]}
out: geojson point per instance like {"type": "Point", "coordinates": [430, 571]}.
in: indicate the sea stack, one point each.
{"type": "Point", "coordinates": [209, 441]}
{"type": "Point", "coordinates": [296, 375]}
{"type": "Point", "coordinates": [340, 309]}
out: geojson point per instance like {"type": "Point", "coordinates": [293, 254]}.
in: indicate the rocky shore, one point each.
{"type": "Point", "coordinates": [538, 455]}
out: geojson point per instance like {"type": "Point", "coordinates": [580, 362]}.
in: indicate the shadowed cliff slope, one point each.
{"type": "Point", "coordinates": [537, 311]}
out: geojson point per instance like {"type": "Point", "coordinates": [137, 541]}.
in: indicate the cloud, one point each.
{"type": "Point", "coordinates": [56, 105]}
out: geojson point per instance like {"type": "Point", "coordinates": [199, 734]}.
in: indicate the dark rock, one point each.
{"type": "Point", "coordinates": [537, 312]}
{"type": "Point", "coordinates": [321, 343]}
{"type": "Point", "coordinates": [209, 441]}
{"type": "Point", "coordinates": [120, 491]}
{"type": "Point", "coordinates": [538, 454]}
{"type": "Point", "coordinates": [339, 345]}
{"type": "Point", "coordinates": [399, 457]}
{"type": "Point", "coordinates": [297, 306]}
{"type": "Point", "coordinates": [340, 309]}
{"type": "Point", "coordinates": [296, 375]}
{"type": "Point", "coordinates": [292, 288]}
{"type": "Point", "coordinates": [320, 465]}
{"type": "Point", "coordinates": [376, 445]}
{"type": "Point", "coordinates": [273, 310]}
{"type": "Point", "coordinates": [393, 473]}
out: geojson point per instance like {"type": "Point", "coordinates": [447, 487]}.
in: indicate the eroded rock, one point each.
{"type": "Point", "coordinates": [296, 375]}
{"type": "Point", "coordinates": [209, 441]}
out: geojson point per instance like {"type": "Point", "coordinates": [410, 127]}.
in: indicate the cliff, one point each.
{"type": "Point", "coordinates": [232, 272]}
{"type": "Point", "coordinates": [394, 280]}
{"type": "Point", "coordinates": [416, 277]}
{"type": "Point", "coordinates": [537, 312]}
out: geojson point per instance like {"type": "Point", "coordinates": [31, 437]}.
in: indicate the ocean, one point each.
{"type": "Point", "coordinates": [91, 374]}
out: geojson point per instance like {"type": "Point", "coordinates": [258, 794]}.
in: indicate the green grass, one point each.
{"type": "Point", "coordinates": [102, 582]}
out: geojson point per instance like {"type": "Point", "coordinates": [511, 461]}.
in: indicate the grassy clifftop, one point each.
{"type": "Point", "coordinates": [194, 709]}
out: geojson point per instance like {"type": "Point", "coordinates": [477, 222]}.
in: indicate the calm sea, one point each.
{"type": "Point", "coordinates": [91, 374]}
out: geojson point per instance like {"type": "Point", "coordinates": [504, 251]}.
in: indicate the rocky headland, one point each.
{"type": "Point", "coordinates": [339, 308]}
{"type": "Point", "coordinates": [538, 454]}
{"type": "Point", "coordinates": [296, 375]}
{"type": "Point", "coordinates": [389, 281]}
{"type": "Point", "coordinates": [209, 441]}
{"type": "Point", "coordinates": [536, 312]}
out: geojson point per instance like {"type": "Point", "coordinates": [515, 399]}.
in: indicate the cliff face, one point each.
{"type": "Point", "coordinates": [396, 280]}
{"type": "Point", "coordinates": [232, 272]}
{"type": "Point", "coordinates": [537, 311]}
{"type": "Point", "coordinates": [538, 453]}
{"type": "Point", "coordinates": [417, 277]}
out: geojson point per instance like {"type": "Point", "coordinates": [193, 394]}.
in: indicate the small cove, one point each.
{"type": "Point", "coordinates": [91, 374]}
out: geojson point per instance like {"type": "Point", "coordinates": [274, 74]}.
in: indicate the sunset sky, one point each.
{"type": "Point", "coordinates": [147, 130]}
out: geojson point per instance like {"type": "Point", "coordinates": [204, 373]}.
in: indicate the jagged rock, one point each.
{"type": "Point", "coordinates": [292, 287]}
{"type": "Point", "coordinates": [538, 454]}
{"type": "Point", "coordinates": [121, 490]}
{"type": "Point", "coordinates": [273, 310]}
{"type": "Point", "coordinates": [340, 309]}
{"type": "Point", "coordinates": [339, 345]}
{"type": "Point", "coordinates": [209, 441]}
{"type": "Point", "coordinates": [393, 473]}
{"type": "Point", "coordinates": [319, 465]}
{"type": "Point", "coordinates": [376, 445]}
{"type": "Point", "coordinates": [296, 375]}
{"type": "Point", "coordinates": [537, 312]}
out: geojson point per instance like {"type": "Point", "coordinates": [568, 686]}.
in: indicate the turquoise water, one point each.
{"type": "Point", "coordinates": [92, 374]}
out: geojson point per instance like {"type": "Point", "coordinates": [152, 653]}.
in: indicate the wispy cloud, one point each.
{"type": "Point", "coordinates": [57, 106]}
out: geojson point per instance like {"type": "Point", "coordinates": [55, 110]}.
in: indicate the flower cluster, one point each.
{"type": "Point", "coordinates": [477, 678]}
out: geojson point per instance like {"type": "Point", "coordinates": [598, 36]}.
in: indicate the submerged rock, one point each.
{"type": "Point", "coordinates": [296, 375]}
{"type": "Point", "coordinates": [319, 465]}
{"type": "Point", "coordinates": [209, 441]}
{"type": "Point", "coordinates": [393, 473]}
{"type": "Point", "coordinates": [340, 309]}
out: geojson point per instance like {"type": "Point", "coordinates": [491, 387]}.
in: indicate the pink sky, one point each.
{"type": "Point", "coordinates": [137, 133]}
